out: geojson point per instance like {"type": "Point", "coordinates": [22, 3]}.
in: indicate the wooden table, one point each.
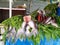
{"type": "Point", "coordinates": [4, 12]}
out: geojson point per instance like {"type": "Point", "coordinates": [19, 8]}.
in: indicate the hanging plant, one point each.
{"type": "Point", "coordinates": [33, 14]}
{"type": "Point", "coordinates": [50, 9]}
{"type": "Point", "coordinates": [15, 21]}
{"type": "Point", "coordinates": [47, 31]}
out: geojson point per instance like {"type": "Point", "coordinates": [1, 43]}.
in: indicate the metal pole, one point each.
{"type": "Point", "coordinates": [10, 8]}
